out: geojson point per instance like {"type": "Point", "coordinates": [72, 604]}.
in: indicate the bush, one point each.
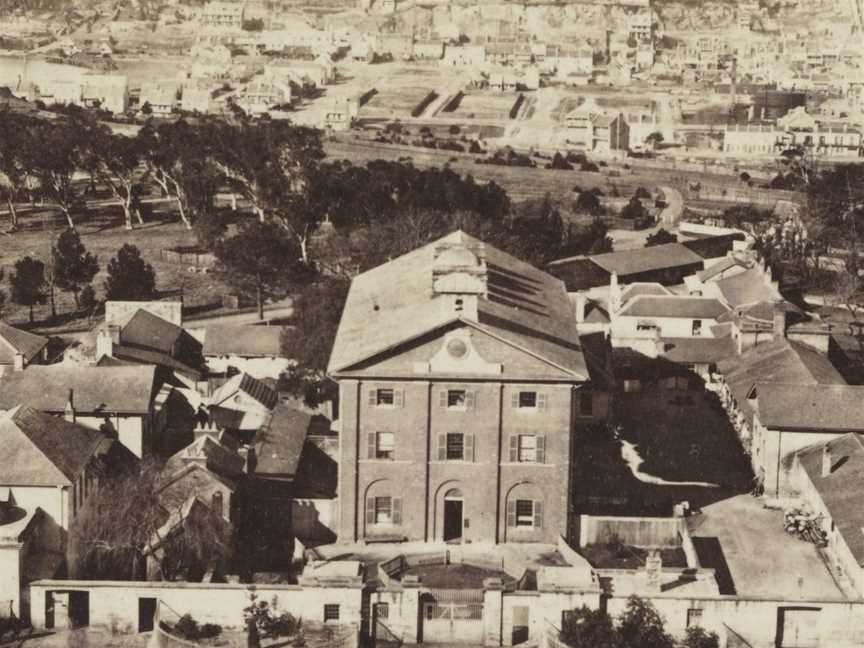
{"type": "Point", "coordinates": [268, 621]}
{"type": "Point", "coordinates": [642, 192]}
{"type": "Point", "coordinates": [188, 628]}
{"type": "Point", "coordinates": [590, 167]}
{"type": "Point", "coordinates": [744, 177]}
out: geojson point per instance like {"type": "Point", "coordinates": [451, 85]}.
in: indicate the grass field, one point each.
{"type": "Point", "coordinates": [484, 106]}
{"type": "Point", "coordinates": [103, 234]}
{"type": "Point", "coordinates": [394, 102]}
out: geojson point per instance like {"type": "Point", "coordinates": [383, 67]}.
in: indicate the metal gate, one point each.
{"type": "Point", "coordinates": [452, 616]}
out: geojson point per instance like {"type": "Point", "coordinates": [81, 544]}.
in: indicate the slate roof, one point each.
{"type": "Point", "coordinates": [673, 306]}
{"type": "Point", "coordinates": [642, 288]}
{"type": "Point", "coordinates": [841, 491]}
{"type": "Point", "coordinates": [134, 355]}
{"type": "Point", "coordinates": [210, 452]}
{"type": "Point", "coordinates": [279, 442]}
{"type": "Point", "coordinates": [779, 361]}
{"type": "Point", "coordinates": [727, 263]}
{"type": "Point", "coordinates": [747, 287]}
{"type": "Point", "coordinates": [13, 341]}
{"type": "Point", "coordinates": [657, 257]}
{"type": "Point", "coordinates": [811, 407]}
{"type": "Point", "coordinates": [127, 390]}
{"type": "Point", "coordinates": [393, 304]}
{"type": "Point", "coordinates": [148, 330]}
{"type": "Point", "coordinates": [43, 450]}
{"type": "Point", "coordinates": [698, 350]}
{"type": "Point", "coordinates": [256, 389]}
{"type": "Point", "coordinates": [247, 341]}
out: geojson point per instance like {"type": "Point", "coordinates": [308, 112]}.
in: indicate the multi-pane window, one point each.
{"type": "Point", "coordinates": [382, 610]}
{"type": "Point", "coordinates": [456, 399]}
{"type": "Point", "coordinates": [385, 398]}
{"type": "Point", "coordinates": [455, 446]}
{"type": "Point", "coordinates": [384, 445]}
{"type": "Point", "coordinates": [697, 328]}
{"type": "Point", "coordinates": [524, 513]}
{"type": "Point", "coordinates": [694, 617]}
{"type": "Point", "coordinates": [383, 510]}
{"type": "Point", "coordinates": [527, 400]}
{"type": "Point", "coordinates": [527, 447]}
{"type": "Point", "coordinates": [331, 612]}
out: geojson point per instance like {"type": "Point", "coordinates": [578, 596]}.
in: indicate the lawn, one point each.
{"type": "Point", "coordinates": [622, 556]}
{"type": "Point", "coordinates": [103, 233]}
{"type": "Point", "coordinates": [456, 576]}
{"type": "Point", "coordinates": [394, 102]}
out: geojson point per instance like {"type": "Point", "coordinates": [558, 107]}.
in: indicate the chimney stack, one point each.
{"type": "Point", "coordinates": [581, 304]}
{"type": "Point", "coordinates": [779, 321]}
{"type": "Point", "coordinates": [614, 294]}
{"type": "Point", "coordinates": [19, 362]}
{"type": "Point", "coordinates": [69, 410]}
{"type": "Point", "coordinates": [827, 464]}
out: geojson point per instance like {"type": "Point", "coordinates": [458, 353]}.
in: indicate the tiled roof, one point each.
{"type": "Point", "coordinates": [393, 304]}
{"type": "Point", "coordinates": [247, 341]}
{"type": "Point", "coordinates": [841, 491]}
{"type": "Point", "coordinates": [811, 407]}
{"type": "Point", "coordinates": [279, 442]}
{"type": "Point", "coordinates": [657, 257]}
{"type": "Point", "coordinates": [13, 340]}
{"type": "Point", "coordinates": [257, 389]}
{"type": "Point", "coordinates": [673, 306]}
{"type": "Point", "coordinates": [150, 331]}
{"type": "Point", "coordinates": [127, 389]}
{"type": "Point", "coordinates": [44, 450]}
{"type": "Point", "coordinates": [698, 350]}
{"type": "Point", "coordinates": [747, 287]}
{"type": "Point", "coordinates": [779, 361]}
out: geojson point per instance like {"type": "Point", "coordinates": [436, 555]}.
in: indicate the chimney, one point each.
{"type": "Point", "coordinates": [826, 460]}
{"type": "Point", "coordinates": [614, 294]}
{"type": "Point", "coordinates": [248, 454]}
{"type": "Point", "coordinates": [69, 410]}
{"type": "Point", "coordinates": [19, 362]}
{"type": "Point", "coordinates": [581, 303]}
{"type": "Point", "coordinates": [779, 321]}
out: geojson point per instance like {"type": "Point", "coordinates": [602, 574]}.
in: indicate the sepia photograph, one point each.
{"type": "Point", "coordinates": [467, 323]}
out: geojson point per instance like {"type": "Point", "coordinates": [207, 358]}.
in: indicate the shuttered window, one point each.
{"type": "Point", "coordinates": [455, 446]}
{"type": "Point", "coordinates": [525, 513]}
{"type": "Point", "coordinates": [528, 448]}
{"type": "Point", "coordinates": [457, 399]}
{"type": "Point", "coordinates": [386, 397]}
{"type": "Point", "coordinates": [529, 401]}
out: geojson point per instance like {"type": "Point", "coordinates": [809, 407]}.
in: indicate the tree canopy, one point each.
{"type": "Point", "coordinates": [74, 266]}
{"type": "Point", "coordinates": [130, 277]}
{"type": "Point", "coordinates": [28, 283]}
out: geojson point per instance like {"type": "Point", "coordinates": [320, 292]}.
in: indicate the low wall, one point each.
{"type": "Point", "coordinates": [197, 259]}
{"type": "Point", "coordinates": [115, 603]}
{"type": "Point", "coordinates": [635, 531]}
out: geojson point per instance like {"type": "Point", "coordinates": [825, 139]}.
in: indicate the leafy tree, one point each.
{"type": "Point", "coordinates": [586, 628]}
{"type": "Point", "coordinates": [260, 259]}
{"type": "Point", "coordinates": [16, 143]}
{"type": "Point", "coordinates": [146, 108]}
{"type": "Point", "coordinates": [87, 301]}
{"type": "Point", "coordinates": [2, 294]}
{"type": "Point", "coordinates": [634, 210]}
{"type": "Point", "coordinates": [744, 177]}
{"type": "Point", "coordinates": [317, 310]}
{"type": "Point", "coordinates": [587, 202]}
{"type": "Point", "coordinates": [118, 158]}
{"type": "Point", "coordinates": [660, 237]}
{"type": "Point", "coordinates": [700, 638]}
{"type": "Point", "coordinates": [74, 266]}
{"type": "Point", "coordinates": [28, 283]}
{"type": "Point", "coordinates": [560, 162]}
{"type": "Point", "coordinates": [642, 192]}
{"type": "Point", "coordinates": [641, 626]}
{"type": "Point", "coordinates": [130, 277]}
{"type": "Point", "coordinates": [54, 158]}
{"type": "Point", "coordinates": [655, 138]}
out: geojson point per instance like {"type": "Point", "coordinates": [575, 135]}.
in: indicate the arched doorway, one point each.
{"type": "Point", "coordinates": [454, 509]}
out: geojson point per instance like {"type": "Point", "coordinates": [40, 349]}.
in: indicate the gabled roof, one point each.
{"type": "Point", "coordinates": [128, 389]}
{"type": "Point", "coordinates": [279, 442]}
{"type": "Point", "coordinates": [43, 450]}
{"type": "Point", "coordinates": [840, 490]}
{"type": "Point", "coordinates": [150, 331]}
{"type": "Point", "coordinates": [247, 341]}
{"type": "Point", "coordinates": [14, 341]}
{"type": "Point", "coordinates": [657, 257]}
{"type": "Point", "coordinates": [747, 287]}
{"type": "Point", "coordinates": [128, 356]}
{"type": "Point", "coordinates": [698, 350]}
{"type": "Point", "coordinates": [210, 452]}
{"type": "Point", "coordinates": [256, 389]}
{"type": "Point", "coordinates": [834, 408]}
{"type": "Point", "coordinates": [727, 263]}
{"type": "Point", "coordinates": [673, 306]}
{"type": "Point", "coordinates": [642, 288]}
{"type": "Point", "coordinates": [393, 304]}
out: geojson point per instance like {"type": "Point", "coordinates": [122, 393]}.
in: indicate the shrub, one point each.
{"type": "Point", "coordinates": [744, 177]}
{"type": "Point", "coordinates": [268, 621]}
{"type": "Point", "coordinates": [188, 628]}
{"type": "Point", "coordinates": [590, 167]}
{"type": "Point", "coordinates": [642, 192]}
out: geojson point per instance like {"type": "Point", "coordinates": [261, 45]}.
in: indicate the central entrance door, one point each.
{"type": "Point", "coordinates": [453, 504]}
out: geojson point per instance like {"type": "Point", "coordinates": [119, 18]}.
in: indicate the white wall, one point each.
{"type": "Point", "coordinates": [56, 502]}
{"type": "Point", "coordinates": [10, 577]}
{"type": "Point", "coordinates": [130, 429]}
{"type": "Point", "coordinates": [624, 326]}
{"type": "Point", "coordinates": [255, 367]}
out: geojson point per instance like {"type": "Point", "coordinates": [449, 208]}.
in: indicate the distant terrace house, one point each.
{"type": "Point", "coordinates": [198, 97]}
{"type": "Point", "coordinates": [640, 25]}
{"type": "Point", "coordinates": [428, 50]}
{"type": "Point", "coordinates": [107, 91]}
{"type": "Point", "coordinates": [829, 477]}
{"type": "Point", "coordinates": [341, 114]}
{"type": "Point", "coordinates": [117, 400]}
{"type": "Point", "coordinates": [162, 97]}
{"type": "Point", "coordinates": [255, 350]}
{"type": "Point", "coordinates": [399, 46]}
{"type": "Point", "coordinates": [223, 14]}
{"type": "Point", "coordinates": [796, 129]}
{"type": "Point", "coordinates": [596, 131]}
{"type": "Point", "coordinates": [665, 264]}
{"type": "Point", "coordinates": [50, 463]}
{"type": "Point", "coordinates": [578, 61]}
{"type": "Point", "coordinates": [462, 382]}
{"type": "Point", "coordinates": [471, 56]}
{"type": "Point", "coordinates": [319, 72]}
{"type": "Point", "coordinates": [19, 349]}
{"type": "Point", "coordinates": [263, 95]}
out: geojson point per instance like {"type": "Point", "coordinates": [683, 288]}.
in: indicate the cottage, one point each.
{"type": "Point", "coordinates": [120, 401]}
{"type": "Point", "coordinates": [242, 405]}
{"type": "Point", "coordinates": [473, 56]}
{"type": "Point", "coordinates": [162, 97]}
{"type": "Point", "coordinates": [106, 91]}
{"type": "Point", "coordinates": [439, 353]}
{"type": "Point", "coordinates": [223, 14]}
{"type": "Point", "coordinates": [18, 349]}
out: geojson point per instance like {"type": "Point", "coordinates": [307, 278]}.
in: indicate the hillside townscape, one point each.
{"type": "Point", "coordinates": [370, 323]}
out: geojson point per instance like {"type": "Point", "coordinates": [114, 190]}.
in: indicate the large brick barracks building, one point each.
{"type": "Point", "coordinates": [461, 382]}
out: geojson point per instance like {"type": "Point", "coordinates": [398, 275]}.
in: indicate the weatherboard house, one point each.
{"type": "Point", "coordinates": [461, 381]}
